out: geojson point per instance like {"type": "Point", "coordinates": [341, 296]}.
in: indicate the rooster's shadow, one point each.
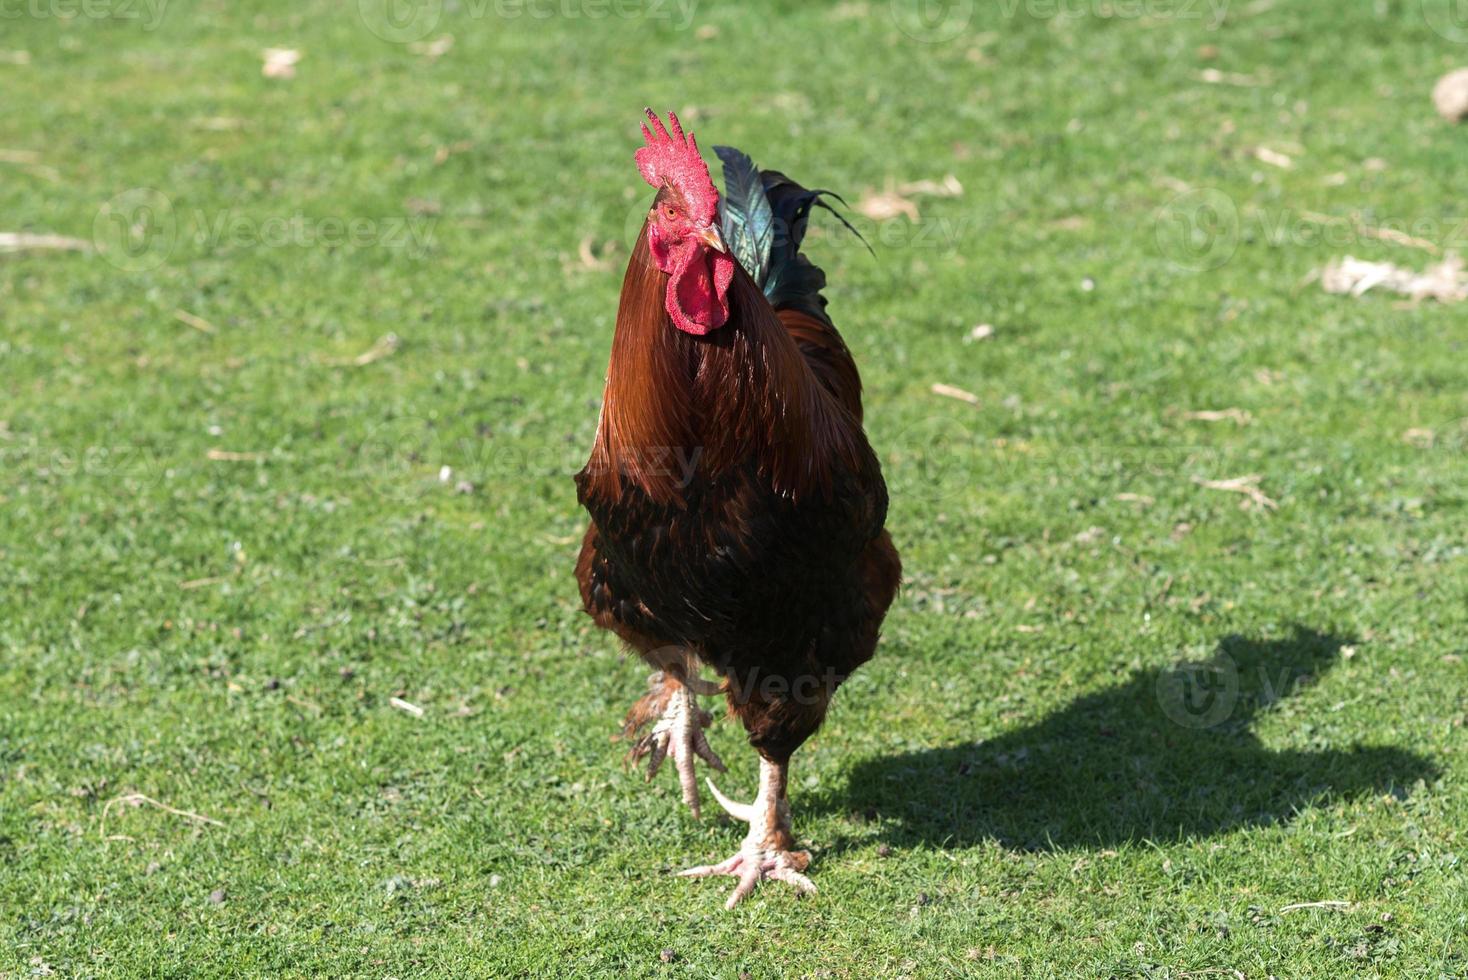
{"type": "Point", "coordinates": [1164, 755]}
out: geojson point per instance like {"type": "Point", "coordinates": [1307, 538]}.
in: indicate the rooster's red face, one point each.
{"type": "Point", "coordinates": [682, 229]}
{"type": "Point", "coordinates": [673, 222]}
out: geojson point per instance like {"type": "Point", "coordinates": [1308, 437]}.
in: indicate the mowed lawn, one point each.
{"type": "Point", "coordinates": [292, 437]}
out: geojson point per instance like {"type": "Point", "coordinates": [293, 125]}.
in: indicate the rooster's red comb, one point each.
{"type": "Point", "coordinates": [674, 160]}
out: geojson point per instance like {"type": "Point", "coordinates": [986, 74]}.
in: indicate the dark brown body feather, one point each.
{"type": "Point", "coordinates": [736, 507]}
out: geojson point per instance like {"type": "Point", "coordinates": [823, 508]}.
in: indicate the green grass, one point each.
{"type": "Point", "coordinates": [1012, 787]}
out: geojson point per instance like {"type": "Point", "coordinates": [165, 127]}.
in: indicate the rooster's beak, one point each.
{"type": "Point", "coordinates": [710, 236]}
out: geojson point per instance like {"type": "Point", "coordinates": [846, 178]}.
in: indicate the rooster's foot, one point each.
{"type": "Point", "coordinates": [753, 864]}
{"type": "Point", "coordinates": [767, 852]}
{"type": "Point", "coordinates": [678, 734]}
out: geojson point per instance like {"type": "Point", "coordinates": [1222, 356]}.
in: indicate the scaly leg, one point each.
{"type": "Point", "coordinates": [678, 733]}
{"type": "Point", "coordinates": [767, 848]}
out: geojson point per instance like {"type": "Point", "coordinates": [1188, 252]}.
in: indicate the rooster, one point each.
{"type": "Point", "coordinates": [736, 507]}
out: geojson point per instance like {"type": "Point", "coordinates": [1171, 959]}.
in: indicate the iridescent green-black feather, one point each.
{"type": "Point", "coordinates": [745, 219]}
{"type": "Point", "coordinates": [763, 216]}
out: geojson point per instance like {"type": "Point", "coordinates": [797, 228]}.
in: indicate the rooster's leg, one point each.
{"type": "Point", "coordinates": [678, 733]}
{"type": "Point", "coordinates": [767, 851]}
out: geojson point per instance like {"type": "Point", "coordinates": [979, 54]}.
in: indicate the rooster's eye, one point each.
{"type": "Point", "coordinates": [669, 212]}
